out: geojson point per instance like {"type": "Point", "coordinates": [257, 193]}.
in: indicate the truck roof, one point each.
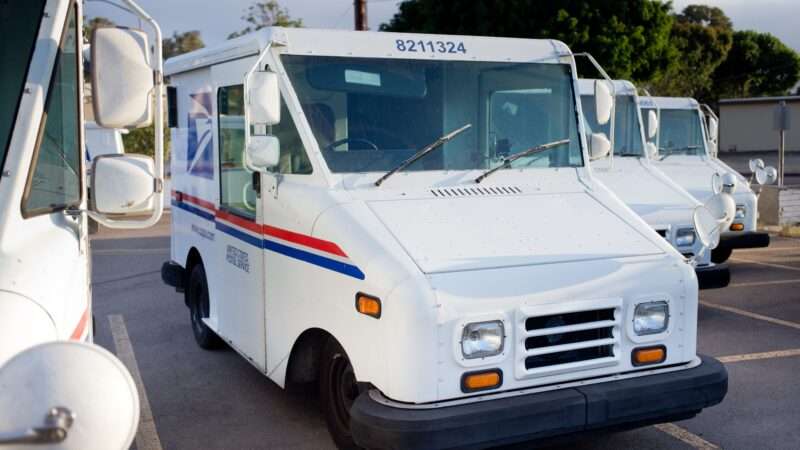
{"type": "Point", "coordinates": [622, 87]}
{"type": "Point", "coordinates": [323, 42]}
{"type": "Point", "coordinates": [669, 102]}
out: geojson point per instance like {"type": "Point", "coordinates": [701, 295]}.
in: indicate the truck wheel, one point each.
{"type": "Point", "coordinates": [199, 309]}
{"type": "Point", "coordinates": [338, 391]}
{"type": "Point", "coordinates": [720, 255]}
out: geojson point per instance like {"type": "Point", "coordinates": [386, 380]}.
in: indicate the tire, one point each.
{"type": "Point", "coordinates": [338, 391]}
{"type": "Point", "coordinates": [720, 255]}
{"type": "Point", "coordinates": [197, 294]}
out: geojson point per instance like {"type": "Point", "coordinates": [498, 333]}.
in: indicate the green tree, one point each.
{"type": "Point", "coordinates": [758, 64]}
{"type": "Point", "coordinates": [181, 43]}
{"type": "Point", "coordinates": [141, 140]}
{"type": "Point", "coordinates": [95, 22]}
{"type": "Point", "coordinates": [266, 14]}
{"type": "Point", "coordinates": [702, 35]}
{"type": "Point", "coordinates": [630, 38]}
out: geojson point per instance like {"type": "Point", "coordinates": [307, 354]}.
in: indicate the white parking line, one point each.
{"type": "Point", "coordinates": [685, 435]}
{"type": "Point", "coordinates": [762, 355]}
{"type": "Point", "coordinates": [764, 283]}
{"type": "Point", "coordinates": [778, 266]}
{"type": "Point", "coordinates": [752, 315]}
{"type": "Point", "coordinates": [147, 435]}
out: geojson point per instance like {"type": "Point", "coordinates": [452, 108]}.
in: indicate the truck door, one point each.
{"type": "Point", "coordinates": [53, 230]}
{"type": "Point", "coordinates": [238, 222]}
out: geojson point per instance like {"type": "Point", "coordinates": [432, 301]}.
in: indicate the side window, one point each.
{"type": "Point", "coordinates": [294, 159]}
{"type": "Point", "coordinates": [55, 182]}
{"type": "Point", "coordinates": [236, 193]}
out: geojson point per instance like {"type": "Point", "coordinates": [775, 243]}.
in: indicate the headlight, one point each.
{"type": "Point", "coordinates": [741, 210]}
{"type": "Point", "coordinates": [650, 318]}
{"type": "Point", "coordinates": [685, 237]}
{"type": "Point", "coordinates": [482, 339]}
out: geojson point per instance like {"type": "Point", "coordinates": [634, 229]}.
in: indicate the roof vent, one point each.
{"type": "Point", "coordinates": [476, 191]}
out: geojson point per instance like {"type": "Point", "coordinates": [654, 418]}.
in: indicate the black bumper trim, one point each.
{"type": "Point", "coordinates": [615, 404]}
{"type": "Point", "coordinates": [714, 276]}
{"type": "Point", "coordinates": [748, 239]}
{"type": "Point", "coordinates": [172, 274]}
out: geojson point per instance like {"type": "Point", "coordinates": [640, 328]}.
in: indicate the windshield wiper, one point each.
{"type": "Point", "coordinates": [673, 151]}
{"type": "Point", "coordinates": [531, 151]}
{"type": "Point", "coordinates": [424, 151]}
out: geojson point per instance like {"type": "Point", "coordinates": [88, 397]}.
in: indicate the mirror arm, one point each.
{"type": "Point", "coordinates": [604, 74]}
{"type": "Point", "coordinates": [57, 423]}
{"type": "Point", "coordinates": [264, 52]}
{"type": "Point", "coordinates": [158, 125]}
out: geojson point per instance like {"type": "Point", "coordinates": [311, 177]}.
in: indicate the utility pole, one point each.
{"type": "Point", "coordinates": [360, 10]}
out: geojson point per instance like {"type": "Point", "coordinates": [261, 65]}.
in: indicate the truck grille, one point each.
{"type": "Point", "coordinates": [561, 341]}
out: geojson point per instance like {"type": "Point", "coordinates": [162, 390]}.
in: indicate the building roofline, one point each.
{"type": "Point", "coordinates": [738, 101]}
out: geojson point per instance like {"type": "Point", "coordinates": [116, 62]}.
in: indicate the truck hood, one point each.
{"type": "Point", "coordinates": [648, 192]}
{"type": "Point", "coordinates": [472, 233]}
{"type": "Point", "coordinates": [692, 173]}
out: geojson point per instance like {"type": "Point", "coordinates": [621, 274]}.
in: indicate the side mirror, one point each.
{"type": "Point", "coordinates": [264, 99]}
{"type": "Point", "coordinates": [767, 175]}
{"type": "Point", "coordinates": [122, 78]}
{"type": "Point", "coordinates": [604, 101]}
{"type": "Point", "coordinates": [263, 152]}
{"type": "Point", "coordinates": [67, 396]}
{"type": "Point", "coordinates": [652, 124]}
{"type": "Point", "coordinates": [599, 146]}
{"type": "Point", "coordinates": [713, 129]}
{"type": "Point", "coordinates": [123, 184]}
{"type": "Point", "coordinates": [707, 227]}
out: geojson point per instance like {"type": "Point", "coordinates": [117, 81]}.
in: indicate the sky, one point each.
{"type": "Point", "coordinates": [215, 19]}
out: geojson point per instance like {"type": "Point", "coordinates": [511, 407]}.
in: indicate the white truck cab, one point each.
{"type": "Point", "coordinates": [102, 141]}
{"type": "Point", "coordinates": [686, 153]}
{"type": "Point", "coordinates": [630, 173]}
{"type": "Point", "coordinates": [58, 388]}
{"type": "Point", "coordinates": [410, 220]}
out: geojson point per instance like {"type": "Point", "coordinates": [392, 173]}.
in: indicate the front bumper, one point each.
{"type": "Point", "coordinates": [713, 276]}
{"type": "Point", "coordinates": [611, 405]}
{"type": "Point", "coordinates": [744, 239]}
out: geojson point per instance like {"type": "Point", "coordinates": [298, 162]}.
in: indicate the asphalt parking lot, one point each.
{"type": "Point", "coordinates": [216, 400]}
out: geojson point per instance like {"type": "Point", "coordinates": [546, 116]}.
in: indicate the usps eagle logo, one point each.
{"type": "Point", "coordinates": [199, 154]}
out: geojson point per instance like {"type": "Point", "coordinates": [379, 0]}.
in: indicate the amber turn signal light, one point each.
{"type": "Point", "coordinates": [481, 381]}
{"type": "Point", "coordinates": [737, 227]}
{"type": "Point", "coordinates": [649, 355]}
{"type": "Point", "coordinates": [368, 305]}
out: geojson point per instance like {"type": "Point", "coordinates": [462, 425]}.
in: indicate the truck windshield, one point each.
{"type": "Point", "coordinates": [19, 22]}
{"type": "Point", "coordinates": [371, 114]}
{"type": "Point", "coordinates": [627, 134]}
{"type": "Point", "coordinates": [680, 133]}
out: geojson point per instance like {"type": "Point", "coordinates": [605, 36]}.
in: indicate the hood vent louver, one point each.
{"type": "Point", "coordinates": [475, 191]}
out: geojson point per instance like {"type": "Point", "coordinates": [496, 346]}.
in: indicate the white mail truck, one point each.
{"type": "Point", "coordinates": [686, 152]}
{"type": "Point", "coordinates": [410, 221]}
{"type": "Point", "coordinates": [57, 389]}
{"type": "Point", "coordinates": [655, 197]}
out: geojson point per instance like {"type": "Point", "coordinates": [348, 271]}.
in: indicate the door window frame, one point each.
{"type": "Point", "coordinates": [30, 213]}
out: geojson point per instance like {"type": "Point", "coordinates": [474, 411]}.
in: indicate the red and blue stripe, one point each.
{"type": "Point", "coordinates": [309, 249]}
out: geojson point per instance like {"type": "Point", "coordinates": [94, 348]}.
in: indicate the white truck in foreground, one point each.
{"type": "Point", "coordinates": [410, 220]}
{"type": "Point", "coordinates": [57, 389]}
{"type": "Point", "coordinates": [656, 198]}
{"type": "Point", "coordinates": [686, 147]}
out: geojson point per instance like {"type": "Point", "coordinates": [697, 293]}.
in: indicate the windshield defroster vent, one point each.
{"type": "Point", "coordinates": [476, 191]}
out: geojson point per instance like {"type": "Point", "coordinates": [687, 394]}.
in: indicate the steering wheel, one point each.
{"type": "Point", "coordinates": [335, 144]}
{"type": "Point", "coordinates": [245, 189]}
